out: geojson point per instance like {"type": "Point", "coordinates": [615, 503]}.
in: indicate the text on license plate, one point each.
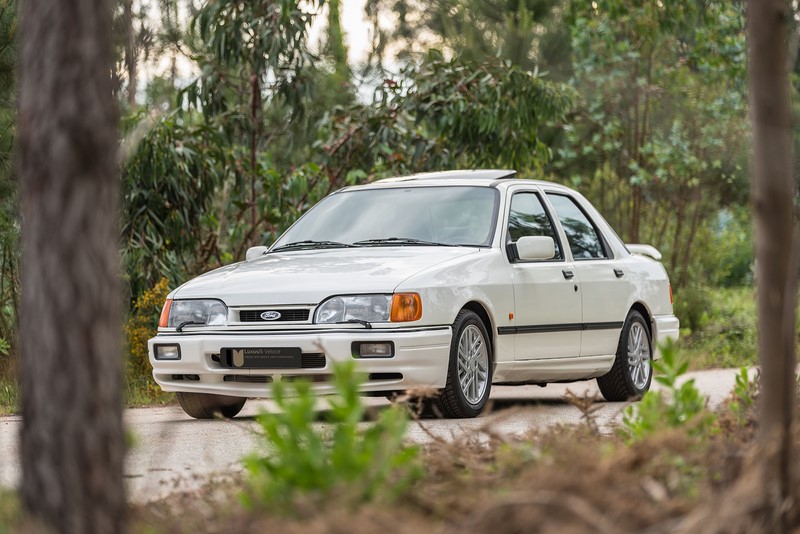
{"type": "Point", "coordinates": [262, 357]}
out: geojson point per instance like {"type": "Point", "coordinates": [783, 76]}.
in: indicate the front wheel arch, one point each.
{"type": "Point", "coordinates": [478, 309]}
{"type": "Point", "coordinates": [470, 365]}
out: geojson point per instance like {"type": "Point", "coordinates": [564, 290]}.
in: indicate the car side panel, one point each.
{"type": "Point", "coordinates": [482, 278]}
{"type": "Point", "coordinates": [606, 301]}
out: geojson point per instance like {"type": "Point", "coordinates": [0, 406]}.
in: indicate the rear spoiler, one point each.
{"type": "Point", "coordinates": [645, 250]}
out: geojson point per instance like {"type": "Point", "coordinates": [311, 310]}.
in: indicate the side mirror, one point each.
{"type": "Point", "coordinates": [254, 252]}
{"type": "Point", "coordinates": [536, 248]}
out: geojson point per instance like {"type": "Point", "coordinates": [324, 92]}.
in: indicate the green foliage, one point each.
{"type": "Point", "coordinates": [9, 394]}
{"type": "Point", "coordinates": [9, 225]}
{"type": "Point", "coordinates": [352, 463]}
{"type": "Point", "coordinates": [682, 406]}
{"type": "Point", "coordinates": [527, 33]}
{"type": "Point", "coordinates": [659, 137]}
{"type": "Point", "coordinates": [718, 326]}
{"type": "Point", "coordinates": [169, 183]}
{"type": "Point", "coordinates": [142, 324]}
{"type": "Point", "coordinates": [443, 113]}
{"type": "Point", "coordinates": [243, 44]}
{"type": "Point", "coordinates": [744, 395]}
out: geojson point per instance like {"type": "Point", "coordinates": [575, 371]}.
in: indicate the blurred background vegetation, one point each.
{"type": "Point", "coordinates": [236, 119]}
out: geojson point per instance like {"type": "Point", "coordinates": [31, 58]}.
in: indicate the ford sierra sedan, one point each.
{"type": "Point", "coordinates": [452, 280]}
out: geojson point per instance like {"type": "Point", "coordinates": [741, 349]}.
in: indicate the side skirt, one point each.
{"type": "Point", "coordinates": [552, 370]}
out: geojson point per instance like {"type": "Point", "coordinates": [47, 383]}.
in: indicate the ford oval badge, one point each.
{"type": "Point", "coordinates": [271, 315]}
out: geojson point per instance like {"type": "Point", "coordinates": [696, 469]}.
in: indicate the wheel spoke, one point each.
{"type": "Point", "coordinates": [472, 363]}
{"type": "Point", "coordinates": [638, 356]}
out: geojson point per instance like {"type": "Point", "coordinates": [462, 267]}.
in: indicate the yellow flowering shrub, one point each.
{"type": "Point", "coordinates": [142, 324]}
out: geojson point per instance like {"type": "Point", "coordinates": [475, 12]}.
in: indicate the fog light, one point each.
{"type": "Point", "coordinates": [167, 352]}
{"type": "Point", "coordinates": [374, 350]}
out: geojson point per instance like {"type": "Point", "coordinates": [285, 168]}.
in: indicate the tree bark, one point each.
{"type": "Point", "coordinates": [72, 441]}
{"type": "Point", "coordinates": [772, 194]}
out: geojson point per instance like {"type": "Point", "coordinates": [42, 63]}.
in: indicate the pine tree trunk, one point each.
{"type": "Point", "coordinates": [772, 194]}
{"type": "Point", "coordinates": [72, 442]}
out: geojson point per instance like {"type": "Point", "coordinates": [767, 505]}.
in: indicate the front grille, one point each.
{"type": "Point", "coordinates": [251, 379]}
{"type": "Point", "coordinates": [312, 361]}
{"type": "Point", "coordinates": [254, 316]}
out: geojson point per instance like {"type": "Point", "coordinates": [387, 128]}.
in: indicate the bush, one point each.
{"type": "Point", "coordinates": [682, 405]}
{"type": "Point", "coordinates": [142, 324]}
{"type": "Point", "coordinates": [306, 460]}
{"type": "Point", "coordinates": [723, 326]}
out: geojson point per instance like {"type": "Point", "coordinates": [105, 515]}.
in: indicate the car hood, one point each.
{"type": "Point", "coordinates": [310, 276]}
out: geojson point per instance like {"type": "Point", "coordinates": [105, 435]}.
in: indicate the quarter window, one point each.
{"type": "Point", "coordinates": [528, 217]}
{"type": "Point", "coordinates": [584, 240]}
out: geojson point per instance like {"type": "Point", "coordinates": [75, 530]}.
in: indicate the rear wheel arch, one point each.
{"type": "Point", "coordinates": [648, 317]}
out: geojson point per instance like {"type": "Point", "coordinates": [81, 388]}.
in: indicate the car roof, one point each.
{"type": "Point", "coordinates": [479, 177]}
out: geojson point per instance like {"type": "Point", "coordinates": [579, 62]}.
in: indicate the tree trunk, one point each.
{"type": "Point", "coordinates": [72, 441]}
{"type": "Point", "coordinates": [255, 106]}
{"type": "Point", "coordinates": [687, 249]}
{"type": "Point", "coordinates": [772, 195]}
{"type": "Point", "coordinates": [130, 51]}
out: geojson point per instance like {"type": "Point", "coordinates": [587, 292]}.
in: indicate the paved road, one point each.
{"type": "Point", "coordinates": [173, 451]}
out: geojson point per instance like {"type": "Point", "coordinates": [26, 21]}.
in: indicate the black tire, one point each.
{"type": "Point", "coordinates": [453, 402]}
{"type": "Point", "coordinates": [623, 382]}
{"type": "Point", "coordinates": [205, 406]}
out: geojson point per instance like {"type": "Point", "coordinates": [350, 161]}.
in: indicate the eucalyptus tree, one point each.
{"type": "Point", "coordinates": [441, 113]}
{"type": "Point", "coordinates": [530, 34]}
{"type": "Point", "coordinates": [255, 48]}
{"type": "Point", "coordinates": [659, 137]}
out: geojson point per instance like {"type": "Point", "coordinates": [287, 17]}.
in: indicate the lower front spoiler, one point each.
{"type": "Point", "coordinates": [420, 360]}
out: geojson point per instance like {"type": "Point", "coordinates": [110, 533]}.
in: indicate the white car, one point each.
{"type": "Point", "coordinates": [451, 280]}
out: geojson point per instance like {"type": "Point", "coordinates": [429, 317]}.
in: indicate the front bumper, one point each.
{"type": "Point", "coordinates": [420, 359]}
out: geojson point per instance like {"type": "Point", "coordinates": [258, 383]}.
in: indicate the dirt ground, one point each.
{"type": "Point", "coordinates": [565, 480]}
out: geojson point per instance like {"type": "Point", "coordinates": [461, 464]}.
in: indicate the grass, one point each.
{"type": "Point", "coordinates": [9, 397]}
{"type": "Point", "coordinates": [566, 479]}
{"type": "Point", "coordinates": [139, 391]}
{"type": "Point", "coordinates": [718, 327]}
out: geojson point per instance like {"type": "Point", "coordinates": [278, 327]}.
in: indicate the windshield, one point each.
{"type": "Point", "coordinates": [458, 215]}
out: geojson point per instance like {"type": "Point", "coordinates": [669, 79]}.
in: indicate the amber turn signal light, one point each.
{"type": "Point", "coordinates": [406, 307]}
{"type": "Point", "coordinates": [164, 319]}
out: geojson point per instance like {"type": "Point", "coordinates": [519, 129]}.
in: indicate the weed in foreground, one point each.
{"type": "Point", "coordinates": [305, 462]}
{"type": "Point", "coordinates": [682, 405]}
{"type": "Point", "coordinates": [744, 394]}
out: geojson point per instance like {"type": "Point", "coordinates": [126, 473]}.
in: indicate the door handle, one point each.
{"type": "Point", "coordinates": [619, 273]}
{"type": "Point", "coordinates": [568, 274]}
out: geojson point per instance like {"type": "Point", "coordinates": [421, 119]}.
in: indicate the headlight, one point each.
{"type": "Point", "coordinates": [370, 308]}
{"type": "Point", "coordinates": [397, 308]}
{"type": "Point", "coordinates": [198, 312]}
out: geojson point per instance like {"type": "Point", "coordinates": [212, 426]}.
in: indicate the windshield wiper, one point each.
{"type": "Point", "coordinates": [310, 243]}
{"type": "Point", "coordinates": [402, 241]}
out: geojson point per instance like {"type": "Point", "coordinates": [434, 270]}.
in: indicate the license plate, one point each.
{"type": "Point", "coordinates": [263, 358]}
